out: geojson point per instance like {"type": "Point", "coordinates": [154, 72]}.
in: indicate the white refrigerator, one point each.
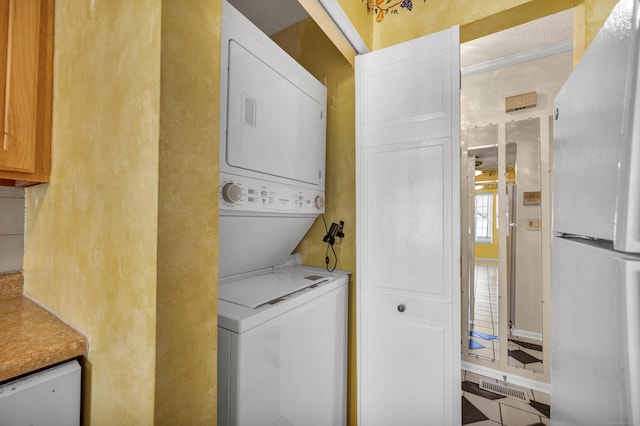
{"type": "Point", "coordinates": [595, 362]}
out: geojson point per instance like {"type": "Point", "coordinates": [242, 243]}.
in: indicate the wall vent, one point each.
{"type": "Point", "coordinates": [518, 102]}
{"type": "Point", "coordinates": [504, 390]}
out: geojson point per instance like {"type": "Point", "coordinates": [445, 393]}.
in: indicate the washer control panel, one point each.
{"type": "Point", "coordinates": [239, 193]}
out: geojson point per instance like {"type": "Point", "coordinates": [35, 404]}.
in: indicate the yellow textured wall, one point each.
{"type": "Point", "coordinates": [310, 47]}
{"type": "Point", "coordinates": [186, 368]}
{"type": "Point", "coordinates": [91, 234]}
{"type": "Point", "coordinates": [596, 12]}
{"type": "Point", "coordinates": [588, 19]}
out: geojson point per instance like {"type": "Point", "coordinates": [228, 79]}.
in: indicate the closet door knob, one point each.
{"type": "Point", "coordinates": [401, 308]}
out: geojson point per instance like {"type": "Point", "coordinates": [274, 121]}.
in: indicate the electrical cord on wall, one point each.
{"type": "Point", "coordinates": [330, 238]}
{"type": "Point", "coordinates": [326, 259]}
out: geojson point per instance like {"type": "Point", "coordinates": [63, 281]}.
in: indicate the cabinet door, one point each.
{"type": "Point", "coordinates": [408, 196]}
{"type": "Point", "coordinates": [26, 79]}
{"type": "Point", "coordinates": [21, 23]}
{"type": "Point", "coordinates": [407, 358]}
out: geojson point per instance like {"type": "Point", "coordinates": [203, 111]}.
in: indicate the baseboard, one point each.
{"type": "Point", "coordinates": [507, 377]}
{"type": "Point", "coordinates": [526, 334]}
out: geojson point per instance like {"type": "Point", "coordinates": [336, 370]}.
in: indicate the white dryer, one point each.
{"type": "Point", "coordinates": [282, 341]}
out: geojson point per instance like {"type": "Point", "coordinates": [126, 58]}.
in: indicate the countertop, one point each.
{"type": "Point", "coordinates": [32, 337]}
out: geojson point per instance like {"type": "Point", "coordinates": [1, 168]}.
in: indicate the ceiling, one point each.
{"type": "Point", "coordinates": [272, 16]}
{"type": "Point", "coordinates": [550, 30]}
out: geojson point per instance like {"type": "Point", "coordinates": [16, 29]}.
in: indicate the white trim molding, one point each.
{"type": "Point", "coordinates": [339, 17]}
{"type": "Point", "coordinates": [526, 334]}
{"type": "Point", "coordinates": [518, 58]}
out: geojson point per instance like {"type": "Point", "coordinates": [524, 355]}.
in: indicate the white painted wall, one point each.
{"type": "Point", "coordinates": [11, 229]}
{"type": "Point", "coordinates": [482, 95]}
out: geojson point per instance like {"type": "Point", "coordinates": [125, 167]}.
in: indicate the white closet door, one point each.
{"type": "Point", "coordinates": [408, 217]}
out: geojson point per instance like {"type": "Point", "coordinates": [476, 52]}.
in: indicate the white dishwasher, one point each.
{"type": "Point", "coordinates": [49, 397]}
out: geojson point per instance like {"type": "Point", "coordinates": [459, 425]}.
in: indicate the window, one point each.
{"type": "Point", "coordinates": [484, 217]}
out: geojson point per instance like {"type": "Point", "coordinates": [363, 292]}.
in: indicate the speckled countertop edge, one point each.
{"type": "Point", "coordinates": [32, 337]}
{"type": "Point", "coordinates": [11, 285]}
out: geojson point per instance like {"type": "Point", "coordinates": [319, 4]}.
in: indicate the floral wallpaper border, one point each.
{"type": "Point", "coordinates": [383, 7]}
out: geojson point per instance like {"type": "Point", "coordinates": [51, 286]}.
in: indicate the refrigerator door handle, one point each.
{"type": "Point", "coordinates": [627, 232]}
{"type": "Point", "coordinates": [627, 227]}
{"type": "Point", "coordinates": [632, 333]}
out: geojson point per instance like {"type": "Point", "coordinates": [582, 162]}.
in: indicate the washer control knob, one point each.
{"type": "Point", "coordinates": [319, 202]}
{"type": "Point", "coordinates": [231, 192]}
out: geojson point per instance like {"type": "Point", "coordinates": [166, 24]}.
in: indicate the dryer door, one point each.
{"type": "Point", "coordinates": [274, 127]}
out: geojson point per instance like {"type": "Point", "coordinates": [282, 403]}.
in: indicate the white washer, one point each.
{"type": "Point", "coordinates": [283, 362]}
{"type": "Point", "coordinates": [282, 335]}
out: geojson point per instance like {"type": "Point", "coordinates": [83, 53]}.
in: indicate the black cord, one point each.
{"type": "Point", "coordinates": [327, 258]}
{"type": "Point", "coordinates": [326, 254]}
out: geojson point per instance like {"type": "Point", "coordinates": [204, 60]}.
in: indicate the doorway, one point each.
{"type": "Point", "coordinates": [506, 206]}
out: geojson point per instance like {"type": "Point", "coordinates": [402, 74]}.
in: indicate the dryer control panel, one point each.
{"type": "Point", "coordinates": [243, 194]}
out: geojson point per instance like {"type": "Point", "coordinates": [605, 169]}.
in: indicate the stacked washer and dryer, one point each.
{"type": "Point", "coordinates": [282, 326]}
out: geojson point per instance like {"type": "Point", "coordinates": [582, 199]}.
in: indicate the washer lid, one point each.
{"type": "Point", "coordinates": [260, 289]}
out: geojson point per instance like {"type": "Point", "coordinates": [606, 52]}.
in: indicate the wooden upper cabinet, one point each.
{"type": "Point", "coordinates": [26, 61]}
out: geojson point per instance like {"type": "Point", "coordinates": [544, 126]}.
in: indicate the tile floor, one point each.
{"type": "Point", "coordinates": [482, 408]}
{"type": "Point", "coordinates": [486, 295]}
{"type": "Point", "coordinates": [483, 341]}
{"type": "Point", "coordinates": [525, 353]}
{"type": "Point", "coordinates": [485, 311]}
